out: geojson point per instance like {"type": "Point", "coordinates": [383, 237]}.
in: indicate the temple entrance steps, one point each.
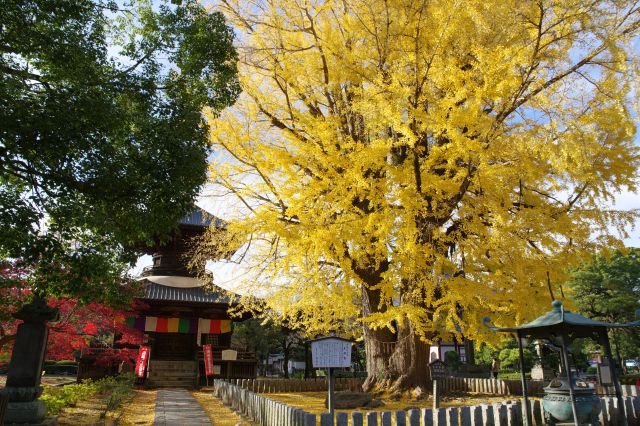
{"type": "Point", "coordinates": [179, 374]}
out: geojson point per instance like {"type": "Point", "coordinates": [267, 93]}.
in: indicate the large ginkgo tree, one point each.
{"type": "Point", "coordinates": [404, 168]}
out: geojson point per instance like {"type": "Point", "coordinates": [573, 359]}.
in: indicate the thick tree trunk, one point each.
{"type": "Point", "coordinates": [395, 362]}
{"type": "Point", "coordinates": [410, 360]}
{"type": "Point", "coordinates": [309, 371]}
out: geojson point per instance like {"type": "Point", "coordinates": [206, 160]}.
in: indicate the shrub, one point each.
{"type": "Point", "coordinates": [116, 389]}
{"type": "Point", "coordinates": [452, 359]}
{"type": "Point", "coordinates": [629, 379]}
{"type": "Point", "coordinates": [56, 398]}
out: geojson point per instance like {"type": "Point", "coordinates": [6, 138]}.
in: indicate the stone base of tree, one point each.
{"type": "Point", "coordinates": [350, 400]}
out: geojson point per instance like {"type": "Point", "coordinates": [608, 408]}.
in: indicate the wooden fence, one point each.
{"type": "Point", "coordinates": [296, 385]}
{"type": "Point", "coordinates": [504, 414]}
{"type": "Point", "coordinates": [627, 390]}
{"type": "Point", "coordinates": [450, 384]}
{"type": "Point", "coordinates": [261, 410]}
{"type": "Point", "coordinates": [265, 411]}
{"type": "Point", "coordinates": [490, 386]}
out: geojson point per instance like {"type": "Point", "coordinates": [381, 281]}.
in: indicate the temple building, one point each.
{"type": "Point", "coordinates": [179, 311]}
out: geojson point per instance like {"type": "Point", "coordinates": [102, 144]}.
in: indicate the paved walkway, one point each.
{"type": "Point", "coordinates": [176, 407]}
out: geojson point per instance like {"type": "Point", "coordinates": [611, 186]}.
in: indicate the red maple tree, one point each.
{"type": "Point", "coordinates": [83, 328]}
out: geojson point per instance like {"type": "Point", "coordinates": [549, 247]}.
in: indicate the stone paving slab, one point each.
{"type": "Point", "coordinates": [176, 407]}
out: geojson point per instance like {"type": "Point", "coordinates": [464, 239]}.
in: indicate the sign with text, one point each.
{"type": "Point", "coordinates": [331, 352]}
{"type": "Point", "coordinates": [208, 360]}
{"type": "Point", "coordinates": [438, 369]}
{"type": "Point", "coordinates": [142, 361]}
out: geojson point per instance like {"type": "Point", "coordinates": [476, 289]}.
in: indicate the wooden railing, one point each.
{"type": "Point", "coordinates": [245, 366]}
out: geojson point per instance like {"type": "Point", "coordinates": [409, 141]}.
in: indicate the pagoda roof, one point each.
{"type": "Point", "coordinates": [200, 217]}
{"type": "Point", "coordinates": [153, 291]}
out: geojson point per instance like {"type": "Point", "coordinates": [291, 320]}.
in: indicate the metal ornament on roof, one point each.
{"type": "Point", "coordinates": [560, 327]}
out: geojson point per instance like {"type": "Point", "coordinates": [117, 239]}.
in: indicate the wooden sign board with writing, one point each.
{"type": "Point", "coordinates": [438, 369]}
{"type": "Point", "coordinates": [331, 352]}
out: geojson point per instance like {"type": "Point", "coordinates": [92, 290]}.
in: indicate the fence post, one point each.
{"type": "Point", "coordinates": [603, 417]}
{"type": "Point", "coordinates": [500, 414]}
{"type": "Point", "coordinates": [628, 409]}
{"type": "Point", "coordinates": [309, 419]}
{"type": "Point", "coordinates": [401, 418]}
{"type": "Point", "coordinates": [614, 414]}
{"type": "Point", "coordinates": [512, 415]}
{"type": "Point", "coordinates": [537, 414]}
{"type": "Point", "coordinates": [414, 417]}
{"type": "Point", "coordinates": [385, 418]}
{"type": "Point", "coordinates": [356, 419]}
{"type": "Point", "coordinates": [440, 417]}
{"type": "Point", "coordinates": [476, 415]}
{"type": "Point", "coordinates": [326, 419]}
{"type": "Point", "coordinates": [487, 414]}
{"type": "Point", "coordinates": [342, 419]}
{"type": "Point", "coordinates": [427, 417]}
{"type": "Point", "coordinates": [465, 416]}
{"type": "Point", "coordinates": [452, 416]}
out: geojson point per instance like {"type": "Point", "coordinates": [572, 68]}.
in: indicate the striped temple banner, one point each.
{"type": "Point", "coordinates": [180, 325]}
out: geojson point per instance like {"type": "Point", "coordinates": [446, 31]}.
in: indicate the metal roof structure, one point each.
{"type": "Point", "coordinates": [155, 291]}
{"type": "Point", "coordinates": [559, 319]}
{"type": "Point", "coordinates": [561, 327]}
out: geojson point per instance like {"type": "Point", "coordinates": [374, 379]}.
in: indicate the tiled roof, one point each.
{"type": "Point", "coordinates": [199, 217]}
{"type": "Point", "coordinates": [155, 291]}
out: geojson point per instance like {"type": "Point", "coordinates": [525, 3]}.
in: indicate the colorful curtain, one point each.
{"type": "Point", "coordinates": [180, 325]}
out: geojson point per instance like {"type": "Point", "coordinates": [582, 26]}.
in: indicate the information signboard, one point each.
{"type": "Point", "coordinates": [438, 369]}
{"type": "Point", "coordinates": [331, 352]}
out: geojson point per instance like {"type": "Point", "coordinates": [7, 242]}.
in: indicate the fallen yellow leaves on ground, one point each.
{"type": "Point", "coordinates": [313, 402]}
{"type": "Point", "coordinates": [87, 412]}
{"type": "Point", "coordinates": [218, 413]}
{"type": "Point", "coordinates": [138, 411]}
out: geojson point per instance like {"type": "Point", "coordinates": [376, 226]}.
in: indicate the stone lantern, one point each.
{"type": "Point", "coordinates": [25, 368]}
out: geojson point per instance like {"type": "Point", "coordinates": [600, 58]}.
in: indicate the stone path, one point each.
{"type": "Point", "coordinates": [176, 407]}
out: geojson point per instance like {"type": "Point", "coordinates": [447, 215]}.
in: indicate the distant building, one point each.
{"type": "Point", "coordinates": [275, 365]}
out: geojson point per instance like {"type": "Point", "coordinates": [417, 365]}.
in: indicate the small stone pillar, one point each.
{"type": "Point", "coordinates": [25, 368]}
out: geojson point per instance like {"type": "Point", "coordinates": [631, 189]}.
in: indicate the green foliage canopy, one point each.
{"type": "Point", "coordinates": [608, 288]}
{"type": "Point", "coordinates": [102, 138]}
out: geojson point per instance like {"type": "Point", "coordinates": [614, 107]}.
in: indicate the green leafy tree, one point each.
{"type": "Point", "coordinates": [507, 353]}
{"type": "Point", "coordinates": [102, 138]}
{"type": "Point", "coordinates": [452, 359]}
{"type": "Point", "coordinates": [267, 338]}
{"type": "Point", "coordinates": [608, 288]}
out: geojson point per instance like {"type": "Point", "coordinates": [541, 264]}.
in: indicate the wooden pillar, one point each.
{"type": "Point", "coordinates": [525, 413]}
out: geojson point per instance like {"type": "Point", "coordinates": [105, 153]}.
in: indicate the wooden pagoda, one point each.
{"type": "Point", "coordinates": [179, 312]}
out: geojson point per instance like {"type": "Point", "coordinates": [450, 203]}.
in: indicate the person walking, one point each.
{"type": "Point", "coordinates": [495, 367]}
